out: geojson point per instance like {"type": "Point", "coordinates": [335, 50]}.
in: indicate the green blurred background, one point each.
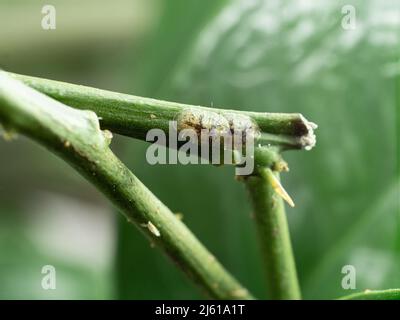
{"type": "Point", "coordinates": [286, 56]}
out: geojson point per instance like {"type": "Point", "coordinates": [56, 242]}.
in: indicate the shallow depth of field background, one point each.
{"type": "Point", "coordinates": [285, 56]}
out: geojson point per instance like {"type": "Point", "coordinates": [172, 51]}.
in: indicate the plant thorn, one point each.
{"type": "Point", "coordinates": [277, 186]}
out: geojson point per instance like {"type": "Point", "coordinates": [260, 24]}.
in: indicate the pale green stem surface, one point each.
{"type": "Point", "coordinates": [273, 231]}
{"type": "Point", "coordinates": [134, 116]}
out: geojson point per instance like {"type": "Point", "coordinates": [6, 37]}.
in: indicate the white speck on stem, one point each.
{"type": "Point", "coordinates": [153, 229]}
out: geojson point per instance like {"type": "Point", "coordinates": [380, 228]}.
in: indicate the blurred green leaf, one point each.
{"type": "Point", "coordinates": [22, 259]}
{"type": "Point", "coordinates": [286, 57]}
{"type": "Point", "coordinates": [390, 294]}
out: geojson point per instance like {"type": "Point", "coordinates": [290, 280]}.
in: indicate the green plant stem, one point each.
{"type": "Point", "coordinates": [75, 136]}
{"type": "Point", "coordinates": [389, 294]}
{"type": "Point", "coordinates": [270, 218]}
{"type": "Point", "coordinates": [134, 116]}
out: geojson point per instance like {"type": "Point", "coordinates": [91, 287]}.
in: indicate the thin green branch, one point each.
{"type": "Point", "coordinates": [134, 116]}
{"type": "Point", "coordinates": [75, 136]}
{"type": "Point", "coordinates": [389, 294]}
{"type": "Point", "coordinates": [267, 196]}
